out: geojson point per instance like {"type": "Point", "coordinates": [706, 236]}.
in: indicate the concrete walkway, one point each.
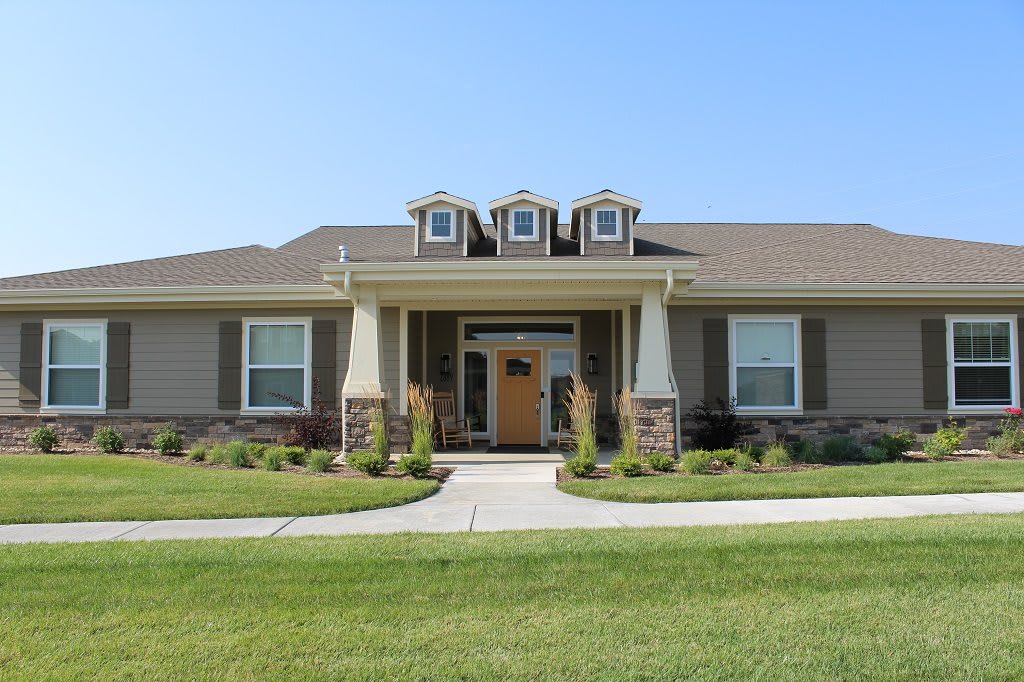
{"type": "Point", "coordinates": [492, 496]}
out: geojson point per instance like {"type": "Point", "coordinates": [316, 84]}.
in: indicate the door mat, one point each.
{"type": "Point", "coordinates": [518, 450]}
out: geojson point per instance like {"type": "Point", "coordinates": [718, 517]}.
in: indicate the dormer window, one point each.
{"type": "Point", "coordinates": [524, 224]}
{"type": "Point", "coordinates": [441, 226]}
{"type": "Point", "coordinates": [606, 225]}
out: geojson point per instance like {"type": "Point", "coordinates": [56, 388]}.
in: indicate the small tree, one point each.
{"type": "Point", "coordinates": [717, 427]}
{"type": "Point", "coordinates": [312, 426]}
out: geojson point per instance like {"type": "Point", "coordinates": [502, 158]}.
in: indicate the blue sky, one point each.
{"type": "Point", "coordinates": [139, 129]}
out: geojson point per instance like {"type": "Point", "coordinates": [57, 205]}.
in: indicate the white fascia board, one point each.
{"type": "Point", "coordinates": [840, 290]}
{"type": "Point", "coordinates": [608, 195]}
{"type": "Point", "coordinates": [225, 294]}
{"type": "Point", "coordinates": [510, 271]}
{"type": "Point", "coordinates": [523, 196]}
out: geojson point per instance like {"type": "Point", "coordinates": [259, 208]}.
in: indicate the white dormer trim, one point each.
{"type": "Point", "coordinates": [472, 218]}
{"type": "Point", "coordinates": [608, 195]}
{"type": "Point", "coordinates": [599, 200]}
{"type": "Point", "coordinates": [523, 195]}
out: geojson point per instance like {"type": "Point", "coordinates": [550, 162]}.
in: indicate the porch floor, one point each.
{"type": "Point", "coordinates": [479, 455]}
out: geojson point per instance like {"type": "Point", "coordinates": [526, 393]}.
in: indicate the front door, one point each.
{"type": "Point", "coordinates": [519, 398]}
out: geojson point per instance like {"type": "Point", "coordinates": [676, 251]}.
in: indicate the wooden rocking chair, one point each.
{"type": "Point", "coordinates": [450, 429]}
{"type": "Point", "coordinates": [566, 432]}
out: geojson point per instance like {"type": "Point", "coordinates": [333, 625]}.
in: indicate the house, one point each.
{"type": "Point", "coordinates": [813, 328]}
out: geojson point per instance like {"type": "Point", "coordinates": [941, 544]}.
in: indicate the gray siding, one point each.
{"type": "Point", "coordinates": [429, 248]}
{"type": "Point", "coordinates": [604, 248]}
{"type": "Point", "coordinates": [873, 354]}
{"type": "Point", "coordinates": [173, 355]}
{"type": "Point", "coordinates": [522, 248]}
{"type": "Point", "coordinates": [416, 345]}
{"type": "Point", "coordinates": [390, 362]}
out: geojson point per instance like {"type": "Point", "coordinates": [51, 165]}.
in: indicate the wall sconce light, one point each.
{"type": "Point", "coordinates": [591, 363]}
{"type": "Point", "coordinates": [446, 367]}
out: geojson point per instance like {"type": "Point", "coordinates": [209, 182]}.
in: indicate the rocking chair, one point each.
{"type": "Point", "coordinates": [450, 429]}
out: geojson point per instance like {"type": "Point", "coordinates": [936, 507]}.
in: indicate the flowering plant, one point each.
{"type": "Point", "coordinates": [1012, 438]}
{"type": "Point", "coordinates": [1014, 412]}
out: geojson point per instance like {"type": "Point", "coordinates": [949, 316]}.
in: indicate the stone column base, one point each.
{"type": "Point", "coordinates": [655, 424]}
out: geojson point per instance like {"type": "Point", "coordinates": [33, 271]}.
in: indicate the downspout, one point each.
{"type": "Point", "coordinates": [670, 283]}
{"type": "Point", "coordinates": [347, 287]}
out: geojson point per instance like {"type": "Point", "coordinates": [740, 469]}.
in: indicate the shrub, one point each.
{"type": "Point", "coordinates": [951, 435]}
{"type": "Point", "coordinates": [311, 426]}
{"type": "Point", "coordinates": [755, 452]}
{"type": "Point", "coordinates": [166, 440]}
{"type": "Point", "coordinates": [108, 439]}
{"type": "Point", "coordinates": [717, 427]}
{"type": "Point", "coordinates": [627, 426]}
{"type": "Point", "coordinates": [696, 462]}
{"type": "Point", "coordinates": [367, 461]}
{"type": "Point", "coordinates": [627, 465]}
{"type": "Point", "coordinates": [198, 452]}
{"type": "Point", "coordinates": [272, 459]}
{"type": "Point", "coordinates": [1000, 445]}
{"type": "Point", "coordinates": [421, 423]}
{"type": "Point", "coordinates": [238, 454]}
{"type": "Point", "coordinates": [218, 455]}
{"type": "Point", "coordinates": [294, 454]}
{"type": "Point", "coordinates": [897, 444]}
{"type": "Point", "coordinates": [777, 455]}
{"type": "Point", "coordinates": [414, 465]}
{"type": "Point", "coordinates": [937, 448]}
{"type": "Point", "coordinates": [1011, 437]}
{"type": "Point", "coordinates": [725, 456]}
{"type": "Point", "coordinates": [320, 461]}
{"type": "Point", "coordinates": [257, 451]}
{"type": "Point", "coordinates": [805, 451]}
{"type": "Point", "coordinates": [379, 426]}
{"type": "Point", "coordinates": [581, 465]}
{"type": "Point", "coordinates": [44, 438]}
{"type": "Point", "coordinates": [659, 461]}
{"type": "Point", "coordinates": [877, 454]}
{"type": "Point", "coordinates": [743, 461]}
{"type": "Point", "coordinates": [841, 449]}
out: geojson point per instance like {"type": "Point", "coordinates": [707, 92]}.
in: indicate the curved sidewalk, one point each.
{"type": "Point", "coordinates": [492, 497]}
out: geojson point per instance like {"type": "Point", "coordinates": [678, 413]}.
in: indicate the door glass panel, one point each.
{"type": "Point", "coordinates": [518, 367]}
{"type": "Point", "coordinates": [474, 392]}
{"type": "Point", "coordinates": [562, 363]}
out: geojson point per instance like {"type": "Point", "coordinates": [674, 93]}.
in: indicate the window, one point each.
{"type": "Point", "coordinates": [518, 367]}
{"type": "Point", "coordinates": [560, 364]}
{"type": "Point", "coordinates": [441, 226]}
{"type": "Point", "coordinates": [519, 331]}
{"type": "Point", "coordinates": [764, 364]}
{"type": "Point", "coordinates": [983, 364]}
{"type": "Point", "coordinates": [524, 225]}
{"type": "Point", "coordinates": [74, 370]}
{"type": "Point", "coordinates": [606, 224]}
{"type": "Point", "coordinates": [474, 389]}
{"type": "Point", "coordinates": [277, 356]}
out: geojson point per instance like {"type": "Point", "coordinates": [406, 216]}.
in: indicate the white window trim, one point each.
{"type": "Point", "coordinates": [45, 405]}
{"type": "Point", "coordinates": [797, 407]}
{"type": "Point", "coordinates": [617, 237]}
{"type": "Point", "coordinates": [430, 226]}
{"type": "Point", "coordinates": [534, 236]}
{"type": "Point", "coordinates": [307, 375]}
{"type": "Point", "coordinates": [951, 364]}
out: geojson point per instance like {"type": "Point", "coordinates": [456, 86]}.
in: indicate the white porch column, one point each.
{"type": "Point", "coordinates": [652, 372]}
{"type": "Point", "coordinates": [366, 351]}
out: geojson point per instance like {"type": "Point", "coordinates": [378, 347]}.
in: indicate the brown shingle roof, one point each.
{"type": "Point", "coordinates": [246, 265]}
{"type": "Point", "coordinates": [727, 252]}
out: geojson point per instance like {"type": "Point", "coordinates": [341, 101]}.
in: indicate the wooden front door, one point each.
{"type": "Point", "coordinates": [519, 400]}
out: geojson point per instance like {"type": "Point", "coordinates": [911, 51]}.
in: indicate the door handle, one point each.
{"type": "Point", "coordinates": [537, 408]}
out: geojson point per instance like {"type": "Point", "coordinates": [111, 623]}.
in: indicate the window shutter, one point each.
{"type": "Point", "coordinates": [933, 358]}
{"type": "Point", "coordinates": [229, 373]}
{"type": "Point", "coordinates": [118, 341]}
{"type": "Point", "coordinates": [325, 345]}
{"type": "Point", "coordinates": [716, 360]}
{"type": "Point", "coordinates": [30, 365]}
{"type": "Point", "coordinates": [813, 364]}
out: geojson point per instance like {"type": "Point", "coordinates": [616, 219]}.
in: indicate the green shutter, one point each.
{"type": "Point", "coordinates": [813, 364]}
{"type": "Point", "coordinates": [30, 365]}
{"type": "Point", "coordinates": [229, 366]}
{"type": "Point", "coordinates": [118, 343]}
{"type": "Point", "coordinates": [716, 360]}
{"type": "Point", "coordinates": [325, 353]}
{"type": "Point", "coordinates": [933, 358]}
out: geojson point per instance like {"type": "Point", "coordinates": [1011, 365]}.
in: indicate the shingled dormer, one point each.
{"type": "Point", "coordinates": [525, 224]}
{"type": "Point", "coordinates": [603, 223]}
{"type": "Point", "coordinates": [446, 225]}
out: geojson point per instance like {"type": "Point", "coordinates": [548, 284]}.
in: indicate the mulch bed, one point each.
{"type": "Point", "coordinates": [437, 473]}
{"type": "Point", "coordinates": [723, 470]}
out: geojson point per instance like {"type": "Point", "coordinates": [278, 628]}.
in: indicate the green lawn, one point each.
{"type": "Point", "coordinates": [51, 488]}
{"type": "Point", "coordinates": [852, 481]}
{"type": "Point", "coordinates": [926, 598]}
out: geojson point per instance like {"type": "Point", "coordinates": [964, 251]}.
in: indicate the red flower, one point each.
{"type": "Point", "coordinates": [1014, 411]}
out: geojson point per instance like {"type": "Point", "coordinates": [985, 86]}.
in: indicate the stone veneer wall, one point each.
{"type": "Point", "coordinates": [79, 429]}
{"type": "Point", "coordinates": [763, 430]}
{"type": "Point", "coordinates": [656, 424]}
